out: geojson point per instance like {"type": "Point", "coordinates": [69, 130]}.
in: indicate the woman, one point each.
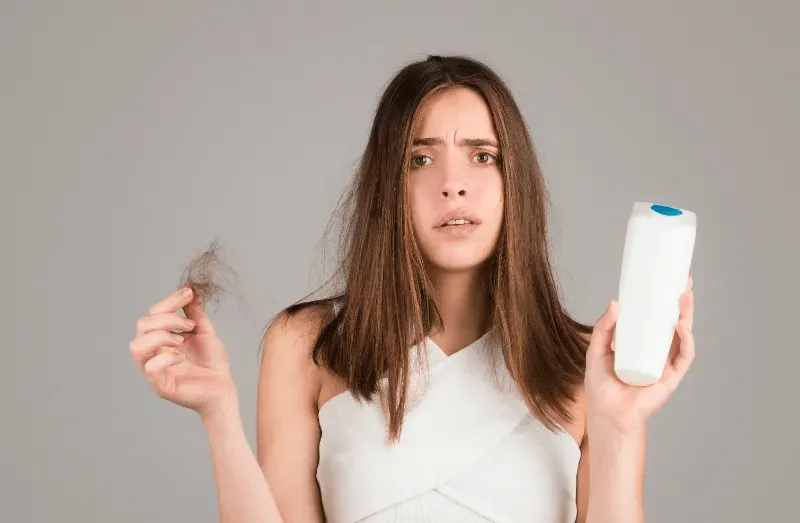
{"type": "Point", "coordinates": [446, 382]}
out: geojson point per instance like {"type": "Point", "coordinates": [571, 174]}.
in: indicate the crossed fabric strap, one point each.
{"type": "Point", "coordinates": [464, 409]}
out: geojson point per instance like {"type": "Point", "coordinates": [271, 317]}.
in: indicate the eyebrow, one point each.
{"type": "Point", "coordinates": [465, 142]}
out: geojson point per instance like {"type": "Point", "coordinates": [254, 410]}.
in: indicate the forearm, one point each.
{"type": "Point", "coordinates": [243, 494]}
{"type": "Point", "coordinates": [616, 475]}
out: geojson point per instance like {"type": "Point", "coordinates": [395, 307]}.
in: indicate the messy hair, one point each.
{"type": "Point", "coordinates": [382, 302]}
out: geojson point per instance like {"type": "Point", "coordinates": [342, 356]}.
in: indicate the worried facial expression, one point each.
{"type": "Point", "coordinates": [455, 185]}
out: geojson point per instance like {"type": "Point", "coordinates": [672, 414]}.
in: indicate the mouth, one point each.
{"type": "Point", "coordinates": [457, 219]}
{"type": "Point", "coordinates": [457, 230]}
{"type": "Point", "coordinates": [456, 223]}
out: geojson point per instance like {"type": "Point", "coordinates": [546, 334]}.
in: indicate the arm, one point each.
{"type": "Point", "coordinates": [243, 494]}
{"type": "Point", "coordinates": [288, 432]}
{"type": "Point", "coordinates": [611, 476]}
{"type": "Point", "coordinates": [279, 485]}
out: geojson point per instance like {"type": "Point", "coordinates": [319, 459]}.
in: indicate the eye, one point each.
{"type": "Point", "coordinates": [485, 158]}
{"type": "Point", "coordinates": [420, 160]}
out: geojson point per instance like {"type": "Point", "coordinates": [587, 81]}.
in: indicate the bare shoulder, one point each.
{"type": "Point", "coordinates": [290, 338]}
{"type": "Point", "coordinates": [287, 427]}
{"type": "Point", "coordinates": [286, 362]}
{"type": "Point", "coordinates": [288, 375]}
{"type": "Point", "coordinates": [576, 426]}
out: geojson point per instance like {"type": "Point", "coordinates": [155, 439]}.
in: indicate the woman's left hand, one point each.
{"type": "Point", "coordinates": [612, 403]}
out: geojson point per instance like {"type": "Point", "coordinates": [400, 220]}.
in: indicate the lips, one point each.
{"type": "Point", "coordinates": [456, 231]}
{"type": "Point", "coordinates": [458, 214]}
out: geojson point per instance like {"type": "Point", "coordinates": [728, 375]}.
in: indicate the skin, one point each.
{"type": "Point", "coordinates": [449, 172]}
{"type": "Point", "coordinates": [278, 484]}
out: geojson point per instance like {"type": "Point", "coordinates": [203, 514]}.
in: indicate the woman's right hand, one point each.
{"type": "Point", "coordinates": [190, 369]}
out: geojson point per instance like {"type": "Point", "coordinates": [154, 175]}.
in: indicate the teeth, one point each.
{"type": "Point", "coordinates": [458, 222]}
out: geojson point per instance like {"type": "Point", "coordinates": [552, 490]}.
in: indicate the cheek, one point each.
{"type": "Point", "coordinates": [491, 196]}
{"type": "Point", "coordinates": [421, 203]}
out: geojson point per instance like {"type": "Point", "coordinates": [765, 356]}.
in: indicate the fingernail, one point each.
{"type": "Point", "coordinates": [178, 338]}
{"type": "Point", "coordinates": [186, 292]}
{"type": "Point", "coordinates": [189, 324]}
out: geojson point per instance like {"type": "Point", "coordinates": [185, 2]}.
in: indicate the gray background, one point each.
{"type": "Point", "coordinates": [133, 133]}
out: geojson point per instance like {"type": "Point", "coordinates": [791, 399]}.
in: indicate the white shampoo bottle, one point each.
{"type": "Point", "coordinates": [656, 260]}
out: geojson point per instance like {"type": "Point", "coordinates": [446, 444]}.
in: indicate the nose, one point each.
{"type": "Point", "coordinates": [454, 184]}
{"type": "Point", "coordinates": [451, 191]}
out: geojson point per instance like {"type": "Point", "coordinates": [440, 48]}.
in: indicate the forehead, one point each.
{"type": "Point", "coordinates": [459, 110]}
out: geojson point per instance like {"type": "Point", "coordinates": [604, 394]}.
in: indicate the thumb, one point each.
{"type": "Point", "coordinates": [603, 332]}
{"type": "Point", "coordinates": [196, 312]}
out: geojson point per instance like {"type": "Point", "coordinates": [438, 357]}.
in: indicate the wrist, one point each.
{"type": "Point", "coordinates": [223, 411]}
{"type": "Point", "coordinates": [616, 453]}
{"type": "Point", "coordinates": [616, 472]}
{"type": "Point", "coordinates": [612, 441]}
{"type": "Point", "coordinates": [616, 428]}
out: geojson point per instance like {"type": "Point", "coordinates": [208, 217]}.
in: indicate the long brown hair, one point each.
{"type": "Point", "coordinates": [386, 302]}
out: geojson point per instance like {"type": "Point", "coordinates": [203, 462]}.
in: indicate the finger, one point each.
{"type": "Point", "coordinates": [674, 348]}
{"type": "Point", "coordinates": [173, 302]}
{"type": "Point", "coordinates": [686, 355]}
{"type": "Point", "coordinates": [687, 309]}
{"type": "Point", "coordinates": [163, 321]}
{"type": "Point", "coordinates": [195, 311]}
{"type": "Point", "coordinates": [158, 363]}
{"type": "Point", "coordinates": [603, 332]}
{"type": "Point", "coordinates": [145, 347]}
{"type": "Point", "coordinates": [684, 358]}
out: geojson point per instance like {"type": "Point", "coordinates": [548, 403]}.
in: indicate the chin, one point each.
{"type": "Point", "coordinates": [449, 259]}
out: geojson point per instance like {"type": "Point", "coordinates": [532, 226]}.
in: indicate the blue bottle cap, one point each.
{"type": "Point", "coordinates": [666, 210]}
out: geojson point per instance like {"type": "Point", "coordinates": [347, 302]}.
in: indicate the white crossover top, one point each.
{"type": "Point", "coordinates": [469, 451]}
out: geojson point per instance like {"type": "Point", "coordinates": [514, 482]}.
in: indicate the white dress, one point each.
{"type": "Point", "coordinates": [469, 451]}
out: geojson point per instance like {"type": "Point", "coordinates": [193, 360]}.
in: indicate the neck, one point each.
{"type": "Point", "coordinates": [464, 307]}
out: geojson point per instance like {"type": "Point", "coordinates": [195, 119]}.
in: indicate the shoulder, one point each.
{"type": "Point", "coordinates": [299, 326]}
{"type": "Point", "coordinates": [287, 429]}
{"type": "Point", "coordinates": [288, 343]}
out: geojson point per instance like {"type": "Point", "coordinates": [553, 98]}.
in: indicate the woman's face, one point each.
{"type": "Point", "coordinates": [454, 168]}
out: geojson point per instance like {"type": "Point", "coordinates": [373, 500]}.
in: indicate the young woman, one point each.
{"type": "Point", "coordinates": [446, 381]}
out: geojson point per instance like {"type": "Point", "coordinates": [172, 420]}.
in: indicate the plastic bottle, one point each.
{"type": "Point", "coordinates": [656, 260]}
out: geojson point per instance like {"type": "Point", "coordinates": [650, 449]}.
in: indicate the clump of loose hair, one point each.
{"type": "Point", "coordinates": [209, 275]}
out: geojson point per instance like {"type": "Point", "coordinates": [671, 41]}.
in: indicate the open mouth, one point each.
{"type": "Point", "coordinates": [457, 228]}
{"type": "Point", "coordinates": [456, 223]}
